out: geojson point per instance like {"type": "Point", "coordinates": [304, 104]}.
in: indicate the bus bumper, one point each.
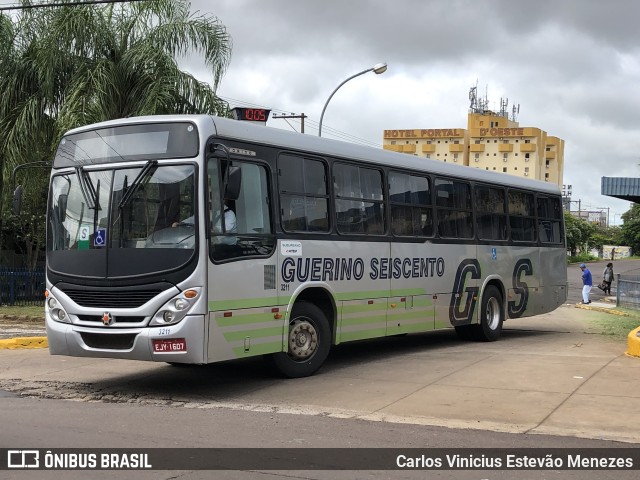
{"type": "Point", "coordinates": [130, 343]}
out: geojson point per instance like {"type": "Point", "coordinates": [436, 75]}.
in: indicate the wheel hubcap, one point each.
{"type": "Point", "coordinates": [303, 339]}
{"type": "Point", "coordinates": [493, 313]}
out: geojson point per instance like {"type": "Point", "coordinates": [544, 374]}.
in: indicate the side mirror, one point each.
{"type": "Point", "coordinates": [16, 204]}
{"type": "Point", "coordinates": [234, 181]}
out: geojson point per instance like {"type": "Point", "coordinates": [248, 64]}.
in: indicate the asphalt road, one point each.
{"type": "Point", "coordinates": [29, 423]}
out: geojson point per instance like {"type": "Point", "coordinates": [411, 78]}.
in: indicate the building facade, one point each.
{"type": "Point", "coordinates": [490, 142]}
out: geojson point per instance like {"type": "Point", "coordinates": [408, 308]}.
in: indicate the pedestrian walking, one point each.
{"type": "Point", "coordinates": [587, 283]}
{"type": "Point", "coordinates": [607, 278]}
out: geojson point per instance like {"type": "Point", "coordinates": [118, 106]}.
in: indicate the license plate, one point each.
{"type": "Point", "coordinates": [170, 345]}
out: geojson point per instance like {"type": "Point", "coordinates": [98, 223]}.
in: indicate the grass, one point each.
{"type": "Point", "coordinates": [616, 326]}
{"type": "Point", "coordinates": [30, 311]}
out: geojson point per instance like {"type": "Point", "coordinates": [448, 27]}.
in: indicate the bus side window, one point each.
{"type": "Point", "coordinates": [302, 183]}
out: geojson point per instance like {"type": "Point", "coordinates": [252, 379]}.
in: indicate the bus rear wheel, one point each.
{"type": "Point", "coordinates": [308, 343]}
{"type": "Point", "coordinates": [491, 316]}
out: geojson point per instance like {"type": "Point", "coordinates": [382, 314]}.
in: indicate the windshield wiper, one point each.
{"type": "Point", "coordinates": [142, 177]}
{"type": "Point", "coordinates": [88, 190]}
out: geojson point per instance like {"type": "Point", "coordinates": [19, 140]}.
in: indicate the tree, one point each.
{"type": "Point", "coordinates": [605, 236]}
{"type": "Point", "coordinates": [62, 67]}
{"type": "Point", "coordinates": [578, 232]}
{"type": "Point", "coordinates": [631, 228]}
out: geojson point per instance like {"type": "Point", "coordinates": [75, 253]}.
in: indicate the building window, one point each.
{"type": "Point", "coordinates": [428, 142]}
{"type": "Point", "coordinates": [456, 142]}
{"type": "Point", "coordinates": [527, 141]}
{"type": "Point", "coordinates": [504, 169]}
{"type": "Point", "coordinates": [477, 142]}
{"type": "Point", "coordinates": [393, 142]}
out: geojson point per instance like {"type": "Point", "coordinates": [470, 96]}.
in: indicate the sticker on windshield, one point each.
{"type": "Point", "coordinates": [100, 238]}
{"type": "Point", "coordinates": [83, 236]}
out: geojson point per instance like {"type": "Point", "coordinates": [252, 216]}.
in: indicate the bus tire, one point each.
{"type": "Point", "coordinates": [491, 315]}
{"type": "Point", "coordinates": [309, 341]}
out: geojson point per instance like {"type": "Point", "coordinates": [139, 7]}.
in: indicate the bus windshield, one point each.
{"type": "Point", "coordinates": [87, 213]}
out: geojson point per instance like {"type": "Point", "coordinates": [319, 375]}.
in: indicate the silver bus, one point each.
{"type": "Point", "coordinates": [196, 239]}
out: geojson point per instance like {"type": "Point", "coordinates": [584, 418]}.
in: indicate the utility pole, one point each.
{"type": "Point", "coordinates": [302, 116]}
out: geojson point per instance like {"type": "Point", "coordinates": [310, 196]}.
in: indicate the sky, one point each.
{"type": "Point", "coordinates": [573, 66]}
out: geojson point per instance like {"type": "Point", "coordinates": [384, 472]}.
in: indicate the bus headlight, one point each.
{"type": "Point", "coordinates": [175, 309]}
{"type": "Point", "coordinates": [55, 310]}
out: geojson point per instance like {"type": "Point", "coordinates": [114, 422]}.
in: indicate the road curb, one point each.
{"type": "Point", "coordinates": [23, 342]}
{"type": "Point", "coordinates": [611, 311]}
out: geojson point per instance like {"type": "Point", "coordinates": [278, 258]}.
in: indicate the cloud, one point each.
{"type": "Point", "coordinates": [572, 66]}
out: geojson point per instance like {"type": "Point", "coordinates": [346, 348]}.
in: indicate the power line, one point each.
{"type": "Point", "coordinates": [65, 4]}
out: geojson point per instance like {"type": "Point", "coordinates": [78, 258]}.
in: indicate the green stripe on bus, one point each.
{"type": "Point", "coordinates": [216, 305]}
{"type": "Point", "coordinates": [258, 349]}
{"type": "Point", "coordinates": [255, 333]}
{"type": "Point", "coordinates": [375, 307]}
{"type": "Point", "coordinates": [442, 324]}
{"type": "Point", "coordinates": [415, 327]}
{"type": "Point", "coordinates": [362, 334]}
{"type": "Point", "coordinates": [423, 314]}
{"type": "Point", "coordinates": [362, 295]}
{"type": "Point", "coordinates": [363, 320]}
{"type": "Point", "coordinates": [245, 319]}
{"type": "Point", "coordinates": [422, 302]}
{"type": "Point", "coordinates": [380, 294]}
{"type": "Point", "coordinates": [408, 292]}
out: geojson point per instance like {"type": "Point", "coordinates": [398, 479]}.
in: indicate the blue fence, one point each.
{"type": "Point", "coordinates": [19, 286]}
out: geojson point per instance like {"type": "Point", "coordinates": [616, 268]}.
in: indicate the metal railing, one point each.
{"type": "Point", "coordinates": [628, 291]}
{"type": "Point", "coordinates": [21, 287]}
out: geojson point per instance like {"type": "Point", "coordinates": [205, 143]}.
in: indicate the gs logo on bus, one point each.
{"type": "Point", "coordinates": [520, 288]}
{"type": "Point", "coordinates": [469, 269]}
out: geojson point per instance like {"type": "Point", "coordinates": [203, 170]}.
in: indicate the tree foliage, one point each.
{"type": "Point", "coordinates": [630, 231]}
{"type": "Point", "coordinates": [578, 232]}
{"type": "Point", "coordinates": [63, 67]}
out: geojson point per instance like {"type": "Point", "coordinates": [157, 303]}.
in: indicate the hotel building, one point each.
{"type": "Point", "coordinates": [490, 142]}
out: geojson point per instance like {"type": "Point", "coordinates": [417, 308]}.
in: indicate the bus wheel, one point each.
{"type": "Point", "coordinates": [308, 342]}
{"type": "Point", "coordinates": [491, 315]}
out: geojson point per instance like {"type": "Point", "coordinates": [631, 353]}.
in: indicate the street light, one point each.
{"type": "Point", "coordinates": [377, 69]}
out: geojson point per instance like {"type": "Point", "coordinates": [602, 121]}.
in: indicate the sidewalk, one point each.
{"type": "Point", "coordinates": [548, 374]}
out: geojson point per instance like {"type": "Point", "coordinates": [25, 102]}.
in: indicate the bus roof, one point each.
{"type": "Point", "coordinates": [249, 132]}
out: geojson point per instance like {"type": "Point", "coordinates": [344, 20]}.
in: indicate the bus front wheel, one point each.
{"type": "Point", "coordinates": [308, 342]}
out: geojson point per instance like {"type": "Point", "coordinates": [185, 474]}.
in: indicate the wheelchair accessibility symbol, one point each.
{"type": "Point", "coordinates": [100, 238]}
{"type": "Point", "coordinates": [494, 254]}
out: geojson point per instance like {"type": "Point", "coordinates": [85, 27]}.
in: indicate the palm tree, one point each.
{"type": "Point", "coordinates": [62, 67]}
